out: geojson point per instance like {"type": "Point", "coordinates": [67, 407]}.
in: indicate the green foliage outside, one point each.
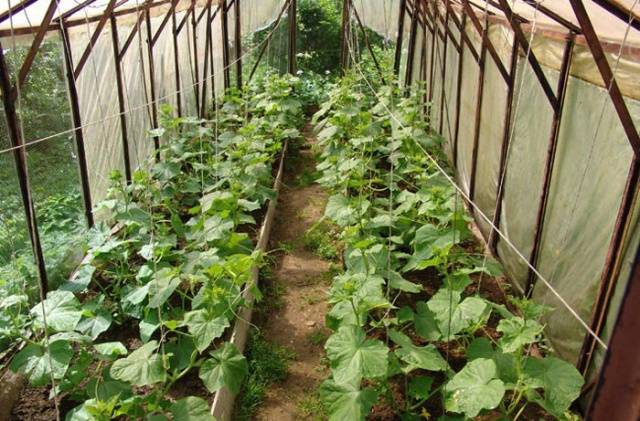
{"type": "Point", "coordinates": [44, 110]}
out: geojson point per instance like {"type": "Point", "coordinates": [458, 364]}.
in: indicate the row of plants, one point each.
{"type": "Point", "coordinates": [151, 305]}
{"type": "Point", "coordinates": [422, 327]}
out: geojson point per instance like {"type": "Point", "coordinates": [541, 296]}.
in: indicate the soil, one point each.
{"type": "Point", "coordinates": [303, 277]}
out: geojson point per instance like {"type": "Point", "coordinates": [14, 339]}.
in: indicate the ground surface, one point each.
{"type": "Point", "coordinates": [298, 323]}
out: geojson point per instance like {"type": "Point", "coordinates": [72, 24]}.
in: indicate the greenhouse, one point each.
{"type": "Point", "coordinates": [320, 210]}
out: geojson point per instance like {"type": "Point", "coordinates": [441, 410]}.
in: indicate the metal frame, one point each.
{"type": "Point", "coordinates": [620, 234]}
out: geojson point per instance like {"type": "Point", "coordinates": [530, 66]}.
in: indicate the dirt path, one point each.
{"type": "Point", "coordinates": [298, 323]}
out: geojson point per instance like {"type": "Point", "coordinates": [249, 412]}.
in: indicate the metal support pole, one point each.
{"type": "Point", "coordinates": [506, 135]}
{"type": "Point", "coordinates": [19, 154]}
{"type": "Point", "coordinates": [77, 125]}
{"type": "Point", "coordinates": [194, 37]}
{"type": "Point", "coordinates": [238, 42]}
{"type": "Point", "coordinates": [205, 70]}
{"type": "Point", "coordinates": [413, 32]}
{"type": "Point", "coordinates": [293, 36]}
{"type": "Point", "coordinates": [459, 92]}
{"type": "Point", "coordinates": [152, 86]}
{"type": "Point", "coordinates": [478, 116]}
{"type": "Point", "coordinates": [176, 61]}
{"type": "Point", "coordinates": [346, 30]}
{"type": "Point", "coordinates": [225, 44]}
{"type": "Point", "coordinates": [444, 67]}
{"type": "Point", "coordinates": [432, 72]}
{"type": "Point", "coordinates": [617, 393]}
{"type": "Point", "coordinates": [551, 156]}
{"type": "Point", "coordinates": [398, 57]}
{"type": "Point", "coordinates": [121, 104]}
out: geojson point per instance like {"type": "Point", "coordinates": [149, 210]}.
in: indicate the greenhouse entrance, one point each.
{"type": "Point", "coordinates": [319, 209]}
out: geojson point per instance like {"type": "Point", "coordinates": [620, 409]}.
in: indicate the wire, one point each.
{"type": "Point", "coordinates": [482, 214]}
{"type": "Point", "coordinates": [162, 98]}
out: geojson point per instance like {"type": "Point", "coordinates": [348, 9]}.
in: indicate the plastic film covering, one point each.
{"type": "Point", "coordinates": [492, 121]}
{"type": "Point", "coordinates": [405, 49]}
{"type": "Point", "coordinates": [381, 16]}
{"type": "Point", "coordinates": [451, 89]}
{"type": "Point", "coordinates": [584, 197]}
{"type": "Point", "coordinates": [585, 191]}
{"type": "Point", "coordinates": [98, 101]}
{"type": "Point", "coordinates": [468, 102]}
{"type": "Point", "coordinates": [629, 255]}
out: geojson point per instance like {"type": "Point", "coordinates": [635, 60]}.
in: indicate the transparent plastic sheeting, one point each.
{"type": "Point", "coordinates": [586, 189]}
{"type": "Point", "coordinates": [381, 16]}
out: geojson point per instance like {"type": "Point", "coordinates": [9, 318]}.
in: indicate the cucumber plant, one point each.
{"type": "Point", "coordinates": [153, 302]}
{"type": "Point", "coordinates": [409, 312]}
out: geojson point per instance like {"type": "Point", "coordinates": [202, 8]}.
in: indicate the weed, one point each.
{"type": "Point", "coordinates": [286, 247]}
{"type": "Point", "coordinates": [268, 364]}
{"type": "Point", "coordinates": [307, 178]}
{"type": "Point", "coordinates": [312, 299]}
{"type": "Point", "coordinates": [310, 406]}
{"type": "Point", "coordinates": [320, 239]}
{"type": "Point", "coordinates": [317, 336]}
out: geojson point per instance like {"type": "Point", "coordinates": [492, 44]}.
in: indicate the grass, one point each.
{"type": "Point", "coordinates": [307, 178]}
{"type": "Point", "coordinates": [310, 406]}
{"type": "Point", "coordinates": [268, 364]}
{"type": "Point", "coordinates": [317, 336]}
{"type": "Point", "coordinates": [321, 239]}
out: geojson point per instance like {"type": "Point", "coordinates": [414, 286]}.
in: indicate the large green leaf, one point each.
{"type": "Point", "coordinates": [454, 316]}
{"type": "Point", "coordinates": [38, 365]}
{"type": "Point", "coordinates": [161, 287]}
{"type": "Point", "coordinates": [560, 381]}
{"type": "Point", "coordinates": [517, 332]}
{"type": "Point", "coordinates": [227, 367]}
{"type": "Point", "coordinates": [205, 326]}
{"type": "Point", "coordinates": [80, 279]}
{"type": "Point", "coordinates": [95, 324]}
{"type": "Point", "coordinates": [425, 322]}
{"type": "Point", "coordinates": [61, 310]}
{"type": "Point", "coordinates": [191, 408]}
{"type": "Point", "coordinates": [354, 357]}
{"type": "Point", "coordinates": [339, 211]}
{"type": "Point", "coordinates": [142, 367]}
{"type": "Point", "coordinates": [474, 388]}
{"type": "Point", "coordinates": [426, 357]}
{"type": "Point", "coordinates": [345, 401]}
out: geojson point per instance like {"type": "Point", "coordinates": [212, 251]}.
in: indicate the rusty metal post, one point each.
{"type": "Point", "coordinates": [550, 160]}
{"type": "Point", "coordinates": [413, 32]}
{"type": "Point", "coordinates": [506, 135]}
{"type": "Point", "coordinates": [432, 72]}
{"type": "Point", "coordinates": [293, 36]}
{"type": "Point", "coordinates": [152, 85]}
{"type": "Point", "coordinates": [444, 68]}
{"type": "Point", "coordinates": [238, 42]}
{"type": "Point", "coordinates": [194, 37]}
{"type": "Point", "coordinates": [77, 125]}
{"type": "Point", "coordinates": [205, 70]}
{"type": "Point", "coordinates": [225, 44]}
{"type": "Point", "coordinates": [617, 393]}
{"type": "Point", "coordinates": [176, 62]}
{"type": "Point", "coordinates": [121, 102]}
{"type": "Point", "coordinates": [398, 55]}
{"type": "Point", "coordinates": [459, 92]}
{"type": "Point", "coordinates": [19, 154]}
{"type": "Point", "coordinates": [344, 38]}
{"type": "Point", "coordinates": [478, 116]}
